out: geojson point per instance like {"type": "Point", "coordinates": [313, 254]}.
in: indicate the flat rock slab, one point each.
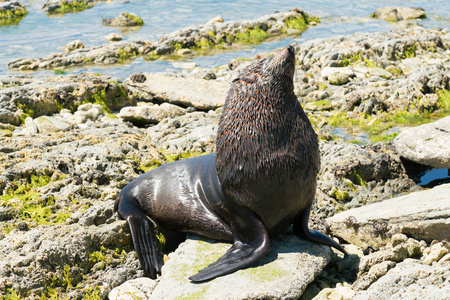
{"type": "Point", "coordinates": [199, 93]}
{"type": "Point", "coordinates": [422, 215]}
{"type": "Point", "coordinates": [283, 273]}
{"type": "Point", "coordinates": [427, 144]}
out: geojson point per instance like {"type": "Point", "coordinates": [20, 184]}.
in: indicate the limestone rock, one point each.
{"type": "Point", "coordinates": [30, 126]}
{"type": "Point", "coordinates": [283, 273]}
{"type": "Point", "coordinates": [150, 114]}
{"type": "Point", "coordinates": [380, 72]}
{"type": "Point", "coordinates": [139, 288]}
{"type": "Point", "coordinates": [338, 78]}
{"type": "Point", "coordinates": [77, 44]}
{"type": "Point", "coordinates": [410, 280]}
{"type": "Point", "coordinates": [11, 12]}
{"type": "Point", "coordinates": [398, 13]}
{"type": "Point", "coordinates": [199, 93]}
{"type": "Point", "coordinates": [192, 132]}
{"type": "Point", "coordinates": [114, 37]}
{"type": "Point", "coordinates": [48, 124]}
{"type": "Point", "coordinates": [124, 20]}
{"type": "Point", "coordinates": [423, 215]}
{"type": "Point", "coordinates": [66, 6]}
{"type": "Point", "coordinates": [426, 144]}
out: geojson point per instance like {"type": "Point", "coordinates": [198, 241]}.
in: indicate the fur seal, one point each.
{"type": "Point", "coordinates": [261, 180]}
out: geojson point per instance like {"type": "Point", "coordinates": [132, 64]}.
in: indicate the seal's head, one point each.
{"type": "Point", "coordinates": [281, 65]}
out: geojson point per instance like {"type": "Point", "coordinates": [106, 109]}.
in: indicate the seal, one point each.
{"type": "Point", "coordinates": [261, 180]}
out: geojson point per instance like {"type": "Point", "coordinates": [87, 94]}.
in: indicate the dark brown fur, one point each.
{"type": "Point", "coordinates": [266, 142]}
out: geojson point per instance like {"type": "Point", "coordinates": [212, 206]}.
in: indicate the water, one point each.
{"type": "Point", "coordinates": [39, 35]}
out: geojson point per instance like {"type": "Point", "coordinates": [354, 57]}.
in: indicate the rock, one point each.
{"type": "Point", "coordinates": [48, 124]}
{"type": "Point", "coordinates": [435, 252]}
{"type": "Point", "coordinates": [114, 37]}
{"type": "Point", "coordinates": [374, 273]}
{"type": "Point", "coordinates": [215, 20]}
{"type": "Point", "coordinates": [11, 11]}
{"type": "Point", "coordinates": [317, 105]}
{"type": "Point", "coordinates": [199, 93]}
{"type": "Point", "coordinates": [426, 144]}
{"type": "Point", "coordinates": [183, 52]}
{"type": "Point", "coordinates": [192, 132]}
{"type": "Point", "coordinates": [43, 96]}
{"type": "Point", "coordinates": [124, 20]}
{"type": "Point", "coordinates": [352, 175]}
{"type": "Point", "coordinates": [423, 215]}
{"type": "Point", "coordinates": [338, 78]}
{"type": "Point", "coordinates": [67, 6]}
{"type": "Point", "coordinates": [380, 72]}
{"type": "Point", "coordinates": [150, 114]}
{"type": "Point", "coordinates": [284, 272]}
{"type": "Point", "coordinates": [398, 13]}
{"type": "Point", "coordinates": [77, 44]}
{"type": "Point", "coordinates": [139, 288]}
{"type": "Point", "coordinates": [30, 126]}
{"type": "Point", "coordinates": [138, 78]}
{"type": "Point", "coordinates": [327, 71]}
{"type": "Point", "coordinates": [410, 279]}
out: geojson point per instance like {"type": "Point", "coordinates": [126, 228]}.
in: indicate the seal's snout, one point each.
{"type": "Point", "coordinates": [290, 50]}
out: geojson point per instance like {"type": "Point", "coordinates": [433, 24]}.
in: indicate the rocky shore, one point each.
{"type": "Point", "coordinates": [70, 143]}
{"type": "Point", "coordinates": [191, 40]}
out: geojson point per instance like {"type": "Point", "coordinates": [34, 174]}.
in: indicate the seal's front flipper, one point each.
{"type": "Point", "coordinates": [251, 243]}
{"type": "Point", "coordinates": [302, 230]}
{"type": "Point", "coordinates": [144, 238]}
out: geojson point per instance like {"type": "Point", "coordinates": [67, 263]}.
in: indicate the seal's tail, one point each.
{"type": "Point", "coordinates": [302, 230]}
{"type": "Point", "coordinates": [143, 234]}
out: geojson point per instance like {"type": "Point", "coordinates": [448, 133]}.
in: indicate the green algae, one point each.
{"type": "Point", "coordinates": [376, 125]}
{"type": "Point", "coordinates": [100, 98]}
{"type": "Point", "coordinates": [17, 13]}
{"type": "Point", "coordinates": [267, 272]}
{"type": "Point", "coordinates": [194, 295]}
{"type": "Point", "coordinates": [443, 103]}
{"type": "Point", "coordinates": [75, 6]}
{"type": "Point", "coordinates": [251, 35]}
{"type": "Point", "coordinates": [340, 196]}
{"type": "Point", "coordinates": [29, 204]}
{"type": "Point", "coordinates": [357, 178]}
{"type": "Point", "coordinates": [13, 295]}
{"type": "Point", "coordinates": [6, 132]}
{"type": "Point", "coordinates": [138, 20]}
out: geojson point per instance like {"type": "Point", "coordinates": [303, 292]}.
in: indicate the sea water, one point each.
{"type": "Point", "coordinates": [39, 34]}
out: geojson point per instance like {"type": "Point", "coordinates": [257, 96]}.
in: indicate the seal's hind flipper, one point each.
{"type": "Point", "coordinates": [146, 244]}
{"type": "Point", "coordinates": [242, 254]}
{"type": "Point", "coordinates": [144, 238]}
{"type": "Point", "coordinates": [302, 230]}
